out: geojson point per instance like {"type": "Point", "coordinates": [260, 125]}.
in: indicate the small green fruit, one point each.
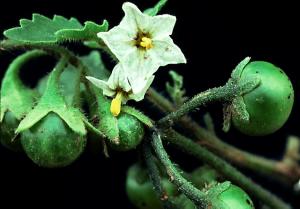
{"type": "Point", "coordinates": [140, 190]}
{"type": "Point", "coordinates": [234, 198]}
{"type": "Point", "coordinates": [131, 132]}
{"type": "Point", "coordinates": [270, 104]}
{"type": "Point", "coordinates": [8, 137]}
{"type": "Point", "coordinates": [51, 143]}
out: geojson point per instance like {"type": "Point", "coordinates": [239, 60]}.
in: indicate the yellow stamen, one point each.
{"type": "Point", "coordinates": [115, 106]}
{"type": "Point", "coordinates": [146, 43]}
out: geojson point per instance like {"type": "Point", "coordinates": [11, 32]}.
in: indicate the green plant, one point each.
{"type": "Point", "coordinates": [53, 123]}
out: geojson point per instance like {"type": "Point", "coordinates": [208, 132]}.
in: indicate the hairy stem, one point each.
{"type": "Point", "coordinates": [279, 170]}
{"type": "Point", "coordinates": [93, 129]}
{"type": "Point", "coordinates": [155, 177]}
{"type": "Point", "coordinates": [223, 93]}
{"type": "Point", "coordinates": [228, 171]}
{"type": "Point", "coordinates": [52, 49]}
{"type": "Point", "coordinates": [184, 186]}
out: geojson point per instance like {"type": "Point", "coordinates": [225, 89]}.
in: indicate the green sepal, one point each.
{"type": "Point", "coordinates": [227, 114]}
{"type": "Point", "coordinates": [108, 124]}
{"type": "Point", "coordinates": [249, 84]}
{"type": "Point", "coordinates": [15, 96]}
{"type": "Point", "coordinates": [68, 82]}
{"type": "Point", "coordinates": [139, 115]}
{"type": "Point", "coordinates": [155, 10]}
{"type": "Point", "coordinates": [213, 193]}
{"type": "Point", "coordinates": [87, 33]}
{"type": "Point", "coordinates": [236, 73]}
{"type": "Point", "coordinates": [53, 101]}
{"type": "Point", "coordinates": [239, 109]}
{"type": "Point", "coordinates": [218, 188]}
{"type": "Point", "coordinates": [41, 29]}
{"type": "Point", "coordinates": [176, 90]}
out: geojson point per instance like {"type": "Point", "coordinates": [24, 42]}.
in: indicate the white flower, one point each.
{"type": "Point", "coordinates": [123, 86]}
{"type": "Point", "coordinates": [143, 42]}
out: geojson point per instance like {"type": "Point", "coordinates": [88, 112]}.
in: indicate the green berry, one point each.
{"type": "Point", "coordinates": [270, 104]}
{"type": "Point", "coordinates": [234, 198]}
{"type": "Point", "coordinates": [8, 138]}
{"type": "Point", "coordinates": [131, 132]}
{"type": "Point", "coordinates": [140, 190]}
{"type": "Point", "coordinates": [51, 143]}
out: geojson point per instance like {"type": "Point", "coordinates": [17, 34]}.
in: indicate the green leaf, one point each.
{"type": "Point", "coordinates": [15, 96]}
{"type": "Point", "coordinates": [139, 115]}
{"type": "Point", "coordinates": [42, 29]}
{"type": "Point", "coordinates": [154, 10]}
{"type": "Point", "coordinates": [53, 101]}
{"type": "Point", "coordinates": [87, 33]}
{"type": "Point", "coordinates": [96, 67]}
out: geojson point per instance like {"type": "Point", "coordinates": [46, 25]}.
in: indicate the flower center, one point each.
{"type": "Point", "coordinates": [146, 42]}
{"type": "Point", "coordinates": [115, 106]}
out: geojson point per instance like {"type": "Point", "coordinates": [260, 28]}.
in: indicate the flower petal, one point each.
{"type": "Point", "coordinates": [165, 52]}
{"type": "Point", "coordinates": [119, 78]}
{"type": "Point", "coordinates": [119, 41]}
{"type": "Point", "coordinates": [140, 94]}
{"type": "Point", "coordinates": [134, 20]}
{"type": "Point", "coordinates": [139, 64]}
{"type": "Point", "coordinates": [102, 85]}
{"type": "Point", "coordinates": [161, 26]}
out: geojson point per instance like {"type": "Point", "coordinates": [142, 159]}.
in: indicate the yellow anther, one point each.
{"type": "Point", "coordinates": [146, 43]}
{"type": "Point", "coordinates": [115, 106]}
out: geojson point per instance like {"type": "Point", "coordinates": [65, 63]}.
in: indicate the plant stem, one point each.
{"type": "Point", "coordinates": [279, 170]}
{"type": "Point", "coordinates": [198, 197]}
{"type": "Point", "coordinates": [52, 49]}
{"type": "Point", "coordinates": [155, 177]}
{"type": "Point", "coordinates": [228, 171]}
{"type": "Point", "coordinates": [223, 93]}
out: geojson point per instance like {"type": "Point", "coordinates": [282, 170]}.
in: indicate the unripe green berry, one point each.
{"type": "Point", "coordinates": [131, 132]}
{"type": "Point", "coordinates": [270, 104]}
{"type": "Point", "coordinates": [8, 138]}
{"type": "Point", "coordinates": [234, 198]}
{"type": "Point", "coordinates": [51, 143]}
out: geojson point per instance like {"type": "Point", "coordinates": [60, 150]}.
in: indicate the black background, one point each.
{"type": "Point", "coordinates": [214, 37]}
